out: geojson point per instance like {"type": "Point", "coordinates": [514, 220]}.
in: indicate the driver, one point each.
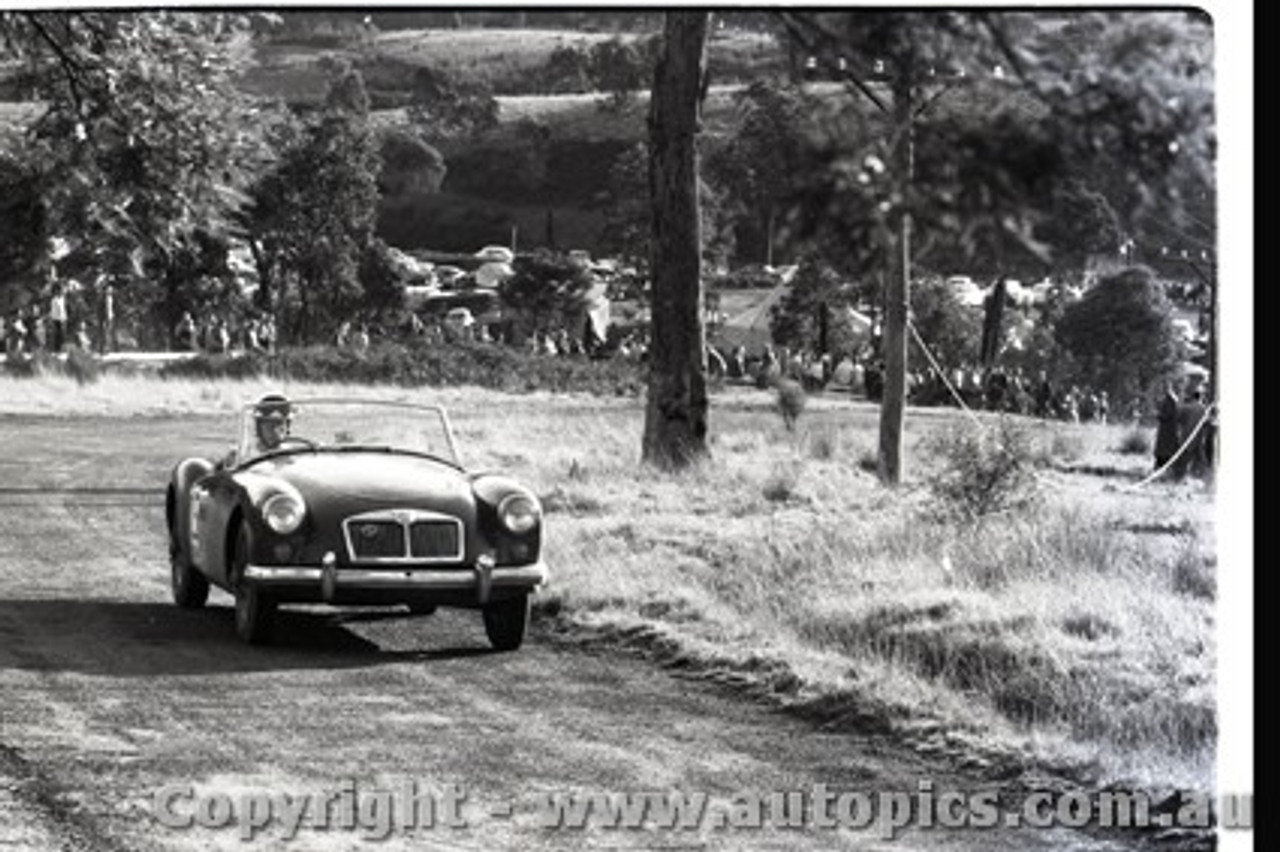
{"type": "Point", "coordinates": [271, 419]}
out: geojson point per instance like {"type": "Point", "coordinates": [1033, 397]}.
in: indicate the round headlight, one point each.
{"type": "Point", "coordinates": [519, 513]}
{"type": "Point", "coordinates": [283, 513]}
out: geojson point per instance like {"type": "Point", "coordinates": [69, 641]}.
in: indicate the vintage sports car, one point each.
{"type": "Point", "coordinates": [352, 502]}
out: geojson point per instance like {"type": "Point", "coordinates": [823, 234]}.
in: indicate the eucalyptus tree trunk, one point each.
{"type": "Point", "coordinates": [675, 427]}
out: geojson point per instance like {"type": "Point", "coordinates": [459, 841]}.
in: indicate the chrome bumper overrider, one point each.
{"type": "Point", "coordinates": [479, 578]}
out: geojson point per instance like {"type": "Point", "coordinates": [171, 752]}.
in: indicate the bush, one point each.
{"type": "Point", "coordinates": [419, 363]}
{"type": "Point", "coordinates": [82, 366]}
{"type": "Point", "coordinates": [982, 473]}
{"type": "Point", "coordinates": [791, 400]}
{"type": "Point", "coordinates": [1136, 442]}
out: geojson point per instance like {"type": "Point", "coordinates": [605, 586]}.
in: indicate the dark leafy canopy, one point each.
{"type": "Point", "coordinates": [546, 291]}
{"type": "Point", "coordinates": [145, 141]}
{"type": "Point", "coordinates": [758, 164]}
{"type": "Point", "coordinates": [1122, 336]}
{"type": "Point", "coordinates": [313, 217]}
{"type": "Point", "coordinates": [1018, 115]}
{"type": "Point", "coordinates": [627, 212]}
{"type": "Point", "coordinates": [810, 315]}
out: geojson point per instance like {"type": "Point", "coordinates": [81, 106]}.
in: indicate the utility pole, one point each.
{"type": "Point", "coordinates": [893, 405]}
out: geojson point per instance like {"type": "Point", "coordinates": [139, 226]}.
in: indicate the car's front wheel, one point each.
{"type": "Point", "coordinates": [190, 588]}
{"type": "Point", "coordinates": [506, 622]}
{"type": "Point", "coordinates": [255, 610]}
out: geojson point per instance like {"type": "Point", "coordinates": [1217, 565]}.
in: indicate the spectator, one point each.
{"type": "Point", "coordinates": [1104, 407]}
{"type": "Point", "coordinates": [361, 339]}
{"type": "Point", "coordinates": [738, 362]}
{"type": "Point", "coordinates": [185, 333]}
{"type": "Point", "coordinates": [58, 317]}
{"type": "Point", "coordinates": [267, 333]}
{"type": "Point", "coordinates": [343, 338]}
{"type": "Point", "coordinates": [4, 335]}
{"type": "Point", "coordinates": [36, 333]}
{"type": "Point", "coordinates": [1189, 416]}
{"type": "Point", "coordinates": [873, 378]}
{"type": "Point", "coordinates": [108, 318]}
{"type": "Point", "coordinates": [1088, 407]}
{"type": "Point", "coordinates": [82, 337]}
{"type": "Point", "coordinates": [1043, 395]}
{"type": "Point", "coordinates": [252, 342]}
{"type": "Point", "coordinates": [1167, 437]}
{"type": "Point", "coordinates": [716, 365]}
{"type": "Point", "coordinates": [16, 341]}
{"type": "Point", "coordinates": [221, 336]}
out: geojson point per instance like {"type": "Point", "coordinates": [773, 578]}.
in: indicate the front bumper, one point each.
{"type": "Point", "coordinates": [471, 585]}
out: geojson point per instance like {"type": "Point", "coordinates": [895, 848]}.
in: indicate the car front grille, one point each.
{"type": "Point", "coordinates": [403, 535]}
{"type": "Point", "coordinates": [434, 539]}
{"type": "Point", "coordinates": [377, 539]}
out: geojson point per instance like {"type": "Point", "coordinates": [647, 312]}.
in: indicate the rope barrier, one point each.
{"type": "Point", "coordinates": [1156, 474]}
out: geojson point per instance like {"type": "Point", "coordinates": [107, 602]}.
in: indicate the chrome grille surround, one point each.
{"type": "Point", "coordinates": [404, 518]}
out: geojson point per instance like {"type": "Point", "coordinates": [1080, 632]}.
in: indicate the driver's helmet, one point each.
{"type": "Point", "coordinates": [275, 407]}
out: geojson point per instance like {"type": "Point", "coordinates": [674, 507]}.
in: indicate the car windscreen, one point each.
{"type": "Point", "coordinates": [322, 424]}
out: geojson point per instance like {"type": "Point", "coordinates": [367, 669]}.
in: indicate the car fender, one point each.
{"type": "Point", "coordinates": [178, 507]}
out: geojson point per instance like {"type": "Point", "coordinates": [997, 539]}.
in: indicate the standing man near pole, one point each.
{"type": "Point", "coordinates": [57, 314]}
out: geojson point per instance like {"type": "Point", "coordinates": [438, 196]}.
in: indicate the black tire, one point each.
{"type": "Point", "coordinates": [255, 610]}
{"type": "Point", "coordinates": [422, 609]}
{"type": "Point", "coordinates": [190, 588]}
{"type": "Point", "coordinates": [506, 623]}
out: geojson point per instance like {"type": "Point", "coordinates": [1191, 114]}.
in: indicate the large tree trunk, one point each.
{"type": "Point", "coordinates": [893, 407]}
{"type": "Point", "coordinates": [675, 427]}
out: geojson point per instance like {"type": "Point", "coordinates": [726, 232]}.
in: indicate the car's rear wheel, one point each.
{"type": "Point", "coordinates": [255, 609]}
{"type": "Point", "coordinates": [506, 622]}
{"type": "Point", "coordinates": [190, 588]}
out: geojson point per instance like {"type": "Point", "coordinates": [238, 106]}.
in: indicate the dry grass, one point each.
{"type": "Point", "coordinates": [1080, 628]}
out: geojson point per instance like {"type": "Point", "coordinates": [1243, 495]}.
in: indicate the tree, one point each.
{"type": "Point", "coordinates": [759, 163]}
{"type": "Point", "coordinates": [1121, 335]}
{"type": "Point", "coordinates": [675, 428]}
{"type": "Point", "coordinates": [145, 140]}
{"type": "Point", "coordinates": [546, 293]}
{"type": "Point", "coordinates": [313, 218]}
{"type": "Point", "coordinates": [809, 315]}
{"type": "Point", "coordinates": [445, 107]}
{"type": "Point", "coordinates": [628, 212]}
{"type": "Point", "coordinates": [409, 164]}
{"type": "Point", "coordinates": [951, 330]}
{"type": "Point", "coordinates": [1115, 99]}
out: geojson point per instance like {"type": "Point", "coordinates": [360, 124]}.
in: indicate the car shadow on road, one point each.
{"type": "Point", "coordinates": [139, 639]}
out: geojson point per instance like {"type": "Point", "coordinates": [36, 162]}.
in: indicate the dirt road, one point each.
{"type": "Point", "coordinates": [110, 695]}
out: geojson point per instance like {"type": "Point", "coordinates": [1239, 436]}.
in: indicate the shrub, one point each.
{"type": "Point", "coordinates": [780, 487]}
{"type": "Point", "coordinates": [982, 472]}
{"type": "Point", "coordinates": [791, 400]}
{"type": "Point", "coordinates": [1136, 442]}
{"type": "Point", "coordinates": [82, 366]}
{"type": "Point", "coordinates": [419, 363]}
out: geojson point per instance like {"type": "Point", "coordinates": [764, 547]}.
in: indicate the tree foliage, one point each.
{"type": "Point", "coordinates": [145, 140]}
{"type": "Point", "coordinates": [1122, 336]}
{"type": "Point", "coordinates": [759, 163]}
{"type": "Point", "coordinates": [546, 291]}
{"type": "Point", "coordinates": [628, 212]}
{"type": "Point", "coordinates": [952, 331]}
{"type": "Point", "coordinates": [445, 107]}
{"type": "Point", "coordinates": [314, 214]}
